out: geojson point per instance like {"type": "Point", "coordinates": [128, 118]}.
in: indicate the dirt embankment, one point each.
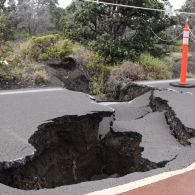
{"type": "Point", "coordinates": [59, 74]}
{"type": "Point", "coordinates": [177, 66]}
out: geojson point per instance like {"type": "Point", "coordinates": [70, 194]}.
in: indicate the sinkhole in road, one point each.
{"type": "Point", "coordinates": [69, 151]}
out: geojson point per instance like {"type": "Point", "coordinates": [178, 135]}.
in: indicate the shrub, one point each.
{"type": "Point", "coordinates": [65, 49]}
{"type": "Point", "coordinates": [177, 46]}
{"type": "Point", "coordinates": [131, 72]}
{"type": "Point", "coordinates": [15, 71]}
{"type": "Point", "coordinates": [6, 28]}
{"type": "Point", "coordinates": [114, 77]}
{"type": "Point", "coordinates": [190, 75]}
{"type": "Point", "coordinates": [4, 73]}
{"type": "Point", "coordinates": [5, 51]}
{"type": "Point", "coordinates": [114, 50]}
{"type": "Point", "coordinates": [155, 68]}
{"type": "Point", "coordinates": [126, 72]}
{"type": "Point", "coordinates": [48, 47]}
{"type": "Point", "coordinates": [89, 62]}
{"type": "Point", "coordinates": [20, 35]}
{"type": "Point", "coordinates": [40, 76]}
{"type": "Point", "coordinates": [99, 82]}
{"type": "Point", "coordinates": [92, 65]}
{"type": "Point", "coordinates": [11, 71]}
{"type": "Point", "coordinates": [19, 74]}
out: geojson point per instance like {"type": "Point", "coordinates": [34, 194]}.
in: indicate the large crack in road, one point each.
{"type": "Point", "coordinates": [75, 148]}
{"type": "Point", "coordinates": [68, 151]}
{"type": "Point", "coordinates": [160, 101]}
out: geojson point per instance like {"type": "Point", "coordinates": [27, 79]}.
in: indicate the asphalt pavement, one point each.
{"type": "Point", "coordinates": [22, 111]}
{"type": "Point", "coordinates": [165, 84]}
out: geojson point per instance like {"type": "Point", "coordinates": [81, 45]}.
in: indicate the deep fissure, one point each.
{"type": "Point", "coordinates": [177, 128]}
{"type": "Point", "coordinates": [69, 151]}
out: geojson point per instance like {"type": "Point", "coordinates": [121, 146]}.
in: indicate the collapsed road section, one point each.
{"type": "Point", "coordinates": [179, 112]}
{"type": "Point", "coordinates": [58, 138]}
{"type": "Point", "coordinates": [44, 134]}
{"type": "Point", "coordinates": [69, 149]}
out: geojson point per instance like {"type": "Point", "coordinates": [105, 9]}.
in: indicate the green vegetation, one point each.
{"type": "Point", "coordinates": [155, 68]}
{"type": "Point", "coordinates": [111, 45]}
{"type": "Point", "coordinates": [146, 68]}
{"type": "Point", "coordinates": [6, 28]}
{"type": "Point", "coordinates": [40, 76]}
{"type": "Point", "coordinates": [22, 74]}
{"type": "Point", "coordinates": [117, 32]}
{"type": "Point", "coordinates": [48, 47]}
{"type": "Point", "coordinates": [191, 75]}
{"type": "Point", "coordinates": [14, 70]}
{"type": "Point", "coordinates": [92, 65]}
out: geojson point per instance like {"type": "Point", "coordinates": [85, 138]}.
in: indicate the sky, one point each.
{"type": "Point", "coordinates": [64, 3]}
{"type": "Point", "coordinates": [176, 3]}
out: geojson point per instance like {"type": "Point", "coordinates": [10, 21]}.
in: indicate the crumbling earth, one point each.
{"type": "Point", "coordinates": [63, 138]}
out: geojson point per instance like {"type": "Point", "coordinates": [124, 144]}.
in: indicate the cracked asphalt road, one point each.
{"type": "Point", "coordinates": [23, 111]}
{"type": "Point", "coordinates": [16, 106]}
{"type": "Point", "coordinates": [166, 85]}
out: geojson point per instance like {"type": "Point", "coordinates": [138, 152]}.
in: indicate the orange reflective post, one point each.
{"type": "Point", "coordinates": [184, 65]}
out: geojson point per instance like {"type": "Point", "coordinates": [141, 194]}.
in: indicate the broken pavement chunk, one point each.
{"type": "Point", "coordinates": [179, 111]}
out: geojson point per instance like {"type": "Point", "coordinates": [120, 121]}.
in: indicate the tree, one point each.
{"type": "Point", "coordinates": [12, 3]}
{"type": "Point", "coordinates": [58, 16]}
{"type": "Point", "coordinates": [189, 6]}
{"type": "Point", "coordinates": [116, 32]}
{"type": "Point", "coordinates": [2, 5]}
{"type": "Point", "coordinates": [34, 15]}
{"type": "Point", "coordinates": [6, 28]}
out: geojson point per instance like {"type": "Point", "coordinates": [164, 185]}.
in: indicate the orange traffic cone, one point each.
{"type": "Point", "coordinates": [184, 64]}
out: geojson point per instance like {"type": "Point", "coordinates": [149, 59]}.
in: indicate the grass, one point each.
{"type": "Point", "coordinates": [190, 75]}
{"type": "Point", "coordinates": [155, 68]}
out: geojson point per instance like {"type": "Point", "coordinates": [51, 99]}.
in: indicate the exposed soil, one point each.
{"type": "Point", "coordinates": [69, 151]}
{"type": "Point", "coordinates": [16, 83]}
{"type": "Point", "coordinates": [68, 75]}
{"type": "Point", "coordinates": [125, 93]}
{"type": "Point", "coordinates": [60, 74]}
{"type": "Point", "coordinates": [178, 130]}
{"type": "Point", "coordinates": [177, 66]}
